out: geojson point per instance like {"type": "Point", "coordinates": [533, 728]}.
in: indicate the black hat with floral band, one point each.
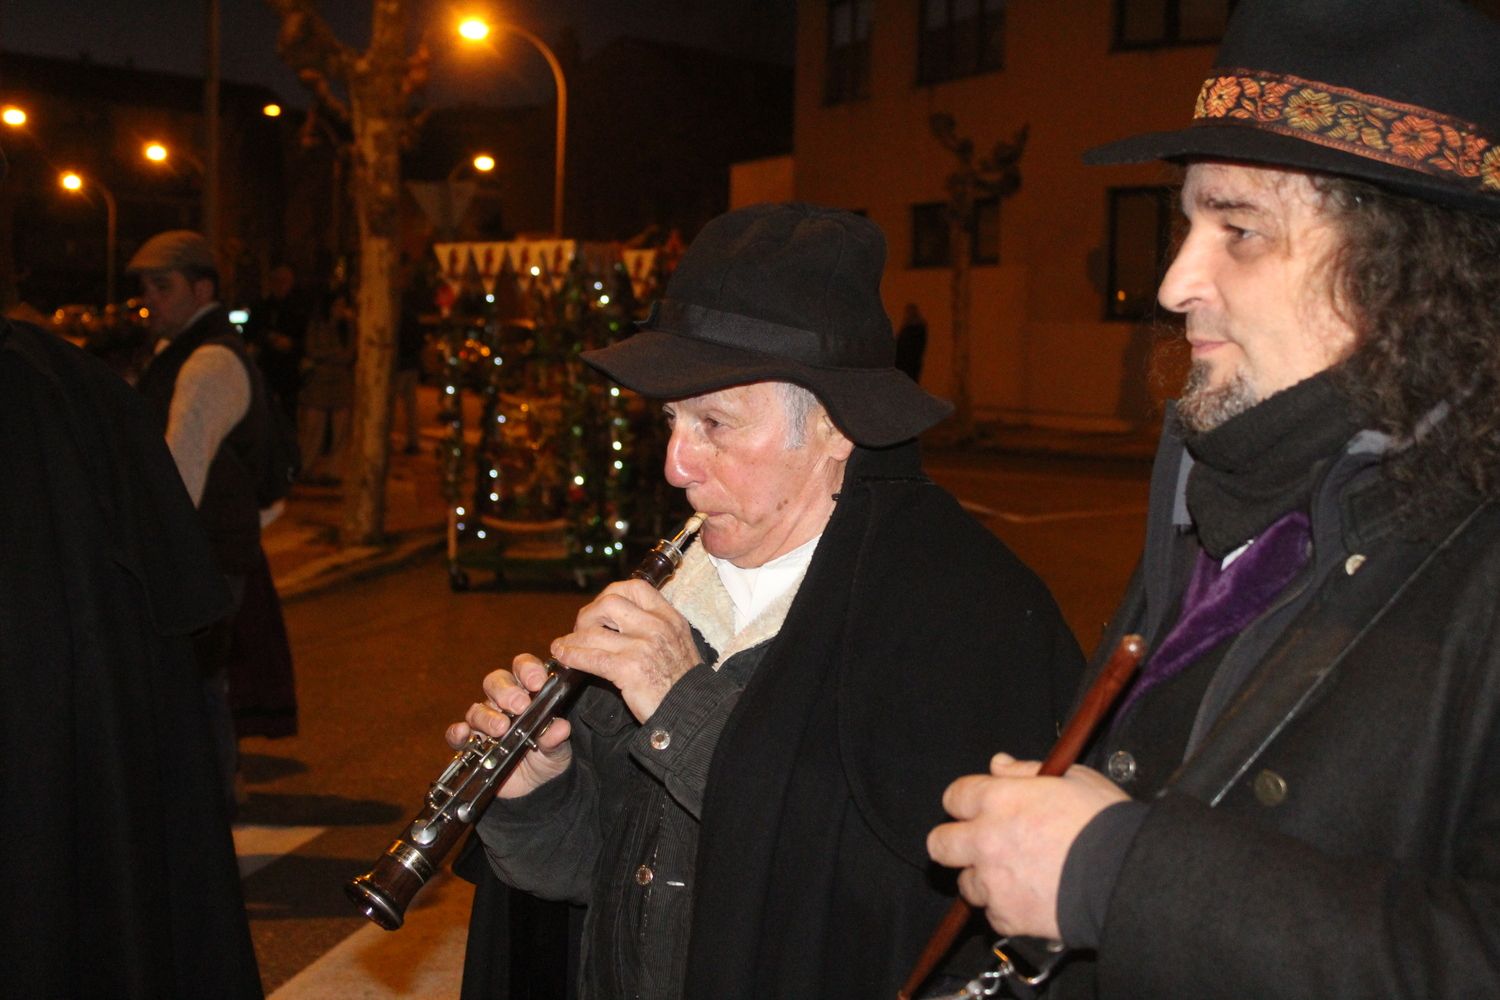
{"type": "Point", "coordinates": [1401, 93]}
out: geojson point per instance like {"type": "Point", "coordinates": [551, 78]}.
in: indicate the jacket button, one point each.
{"type": "Point", "coordinates": [1121, 767]}
{"type": "Point", "coordinates": [644, 875]}
{"type": "Point", "coordinates": [660, 739]}
{"type": "Point", "coordinates": [1270, 788]}
{"type": "Point", "coordinates": [1353, 563]}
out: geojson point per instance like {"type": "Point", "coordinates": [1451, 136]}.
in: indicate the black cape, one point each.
{"type": "Point", "coordinates": [918, 647]}
{"type": "Point", "coordinates": [121, 879]}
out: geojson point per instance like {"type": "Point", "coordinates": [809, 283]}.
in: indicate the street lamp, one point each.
{"type": "Point", "coordinates": [13, 116]}
{"type": "Point", "coordinates": [476, 29]}
{"type": "Point", "coordinates": [160, 153]}
{"type": "Point", "coordinates": [481, 163]}
{"type": "Point", "coordinates": [73, 182]}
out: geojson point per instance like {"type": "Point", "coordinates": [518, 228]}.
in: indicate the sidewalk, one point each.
{"type": "Point", "coordinates": [302, 544]}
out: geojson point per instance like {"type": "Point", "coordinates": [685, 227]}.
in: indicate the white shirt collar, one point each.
{"type": "Point", "coordinates": [161, 345]}
{"type": "Point", "coordinates": [752, 590]}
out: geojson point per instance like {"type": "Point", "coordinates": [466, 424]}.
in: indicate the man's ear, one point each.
{"type": "Point", "coordinates": [203, 291]}
{"type": "Point", "coordinates": [838, 444]}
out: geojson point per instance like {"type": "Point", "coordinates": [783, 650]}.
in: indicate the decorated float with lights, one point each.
{"type": "Point", "coordinates": [550, 472]}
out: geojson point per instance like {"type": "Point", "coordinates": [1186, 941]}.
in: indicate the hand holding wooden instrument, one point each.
{"type": "Point", "coordinates": [1095, 706]}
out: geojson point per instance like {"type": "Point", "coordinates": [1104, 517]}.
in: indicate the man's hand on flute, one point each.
{"type": "Point", "coordinates": [1012, 835]}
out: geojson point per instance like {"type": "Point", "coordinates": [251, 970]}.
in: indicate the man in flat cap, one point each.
{"type": "Point", "coordinates": [211, 405]}
{"type": "Point", "coordinates": [742, 801]}
{"type": "Point", "coordinates": [1298, 797]}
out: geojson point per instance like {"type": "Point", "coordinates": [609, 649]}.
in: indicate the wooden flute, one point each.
{"type": "Point", "coordinates": [469, 783]}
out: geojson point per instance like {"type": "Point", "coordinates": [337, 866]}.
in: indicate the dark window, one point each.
{"type": "Point", "coordinates": [929, 233]}
{"type": "Point", "coordinates": [960, 38]}
{"type": "Point", "coordinates": [1155, 23]}
{"type": "Point", "coordinates": [848, 69]}
{"type": "Point", "coordinates": [1140, 226]}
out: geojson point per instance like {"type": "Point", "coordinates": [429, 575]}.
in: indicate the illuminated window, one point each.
{"type": "Point", "coordinates": [929, 234]}
{"type": "Point", "coordinates": [960, 38]}
{"type": "Point", "coordinates": [1158, 23]}
{"type": "Point", "coordinates": [1140, 227]}
{"type": "Point", "coordinates": [848, 66]}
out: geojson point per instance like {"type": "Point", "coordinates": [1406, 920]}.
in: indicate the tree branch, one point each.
{"type": "Point", "coordinates": [307, 45]}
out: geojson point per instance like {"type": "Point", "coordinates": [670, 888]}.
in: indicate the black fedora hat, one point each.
{"type": "Point", "coordinates": [1401, 93]}
{"type": "Point", "coordinates": [786, 293]}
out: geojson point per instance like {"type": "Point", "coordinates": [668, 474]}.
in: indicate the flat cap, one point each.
{"type": "Point", "coordinates": [173, 250]}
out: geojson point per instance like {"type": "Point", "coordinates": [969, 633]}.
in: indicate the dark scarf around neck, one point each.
{"type": "Point", "coordinates": [1257, 466]}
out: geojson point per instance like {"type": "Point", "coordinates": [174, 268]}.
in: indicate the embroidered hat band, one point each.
{"type": "Point", "coordinates": [1399, 134]}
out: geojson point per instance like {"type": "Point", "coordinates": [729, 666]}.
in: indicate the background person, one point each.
{"type": "Point", "coordinates": [212, 408]}
{"type": "Point", "coordinates": [277, 334]}
{"type": "Point", "coordinates": [1297, 794]}
{"type": "Point", "coordinates": [911, 342]}
{"type": "Point", "coordinates": [327, 398]}
{"type": "Point", "coordinates": [122, 879]}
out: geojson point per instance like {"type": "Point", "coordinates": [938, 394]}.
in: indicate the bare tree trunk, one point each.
{"type": "Point", "coordinates": [380, 82]}
{"type": "Point", "coordinates": [377, 106]}
{"type": "Point", "coordinates": [368, 459]}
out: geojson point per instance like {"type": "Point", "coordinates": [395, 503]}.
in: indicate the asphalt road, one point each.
{"type": "Point", "coordinates": [384, 665]}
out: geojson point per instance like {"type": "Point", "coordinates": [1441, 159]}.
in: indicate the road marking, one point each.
{"type": "Point", "coordinates": [1052, 517]}
{"type": "Point", "coordinates": [425, 961]}
{"type": "Point", "coordinates": [258, 846]}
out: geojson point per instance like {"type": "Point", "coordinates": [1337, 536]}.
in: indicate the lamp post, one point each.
{"type": "Point", "coordinates": [480, 163]}
{"type": "Point", "coordinates": [160, 153]}
{"type": "Point", "coordinates": [72, 181]}
{"type": "Point", "coordinates": [477, 30]}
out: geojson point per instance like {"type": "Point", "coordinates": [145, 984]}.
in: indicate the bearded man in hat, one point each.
{"type": "Point", "coordinates": [742, 800]}
{"type": "Point", "coordinates": [1297, 797]}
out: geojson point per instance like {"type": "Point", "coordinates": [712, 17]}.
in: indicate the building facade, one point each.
{"type": "Point", "coordinates": [1063, 322]}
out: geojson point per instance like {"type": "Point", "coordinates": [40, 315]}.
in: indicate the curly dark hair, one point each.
{"type": "Point", "coordinates": [1420, 284]}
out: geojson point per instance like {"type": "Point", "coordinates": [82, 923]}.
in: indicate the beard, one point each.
{"type": "Point", "coordinates": [1203, 407]}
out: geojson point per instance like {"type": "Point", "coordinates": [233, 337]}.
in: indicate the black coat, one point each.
{"type": "Point", "coordinates": [120, 876]}
{"type": "Point", "coordinates": [917, 647]}
{"type": "Point", "coordinates": [1335, 828]}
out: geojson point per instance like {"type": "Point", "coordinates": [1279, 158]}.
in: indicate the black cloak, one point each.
{"type": "Point", "coordinates": [121, 877]}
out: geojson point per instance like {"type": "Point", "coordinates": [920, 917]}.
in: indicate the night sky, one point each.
{"type": "Point", "coordinates": [168, 35]}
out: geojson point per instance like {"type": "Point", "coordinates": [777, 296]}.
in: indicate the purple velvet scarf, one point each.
{"type": "Point", "coordinates": [1220, 602]}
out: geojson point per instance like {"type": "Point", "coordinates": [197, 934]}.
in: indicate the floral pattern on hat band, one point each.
{"type": "Point", "coordinates": [1399, 134]}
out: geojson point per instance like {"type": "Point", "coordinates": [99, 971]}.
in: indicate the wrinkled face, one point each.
{"type": "Point", "coordinates": [171, 300]}
{"type": "Point", "coordinates": [1251, 279]}
{"type": "Point", "coordinates": [729, 452]}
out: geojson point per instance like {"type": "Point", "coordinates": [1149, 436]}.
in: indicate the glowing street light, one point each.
{"type": "Point", "coordinates": [271, 111]}
{"type": "Point", "coordinates": [73, 182]}
{"type": "Point", "coordinates": [480, 163]}
{"type": "Point", "coordinates": [160, 153]}
{"type": "Point", "coordinates": [13, 116]}
{"type": "Point", "coordinates": [476, 29]}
